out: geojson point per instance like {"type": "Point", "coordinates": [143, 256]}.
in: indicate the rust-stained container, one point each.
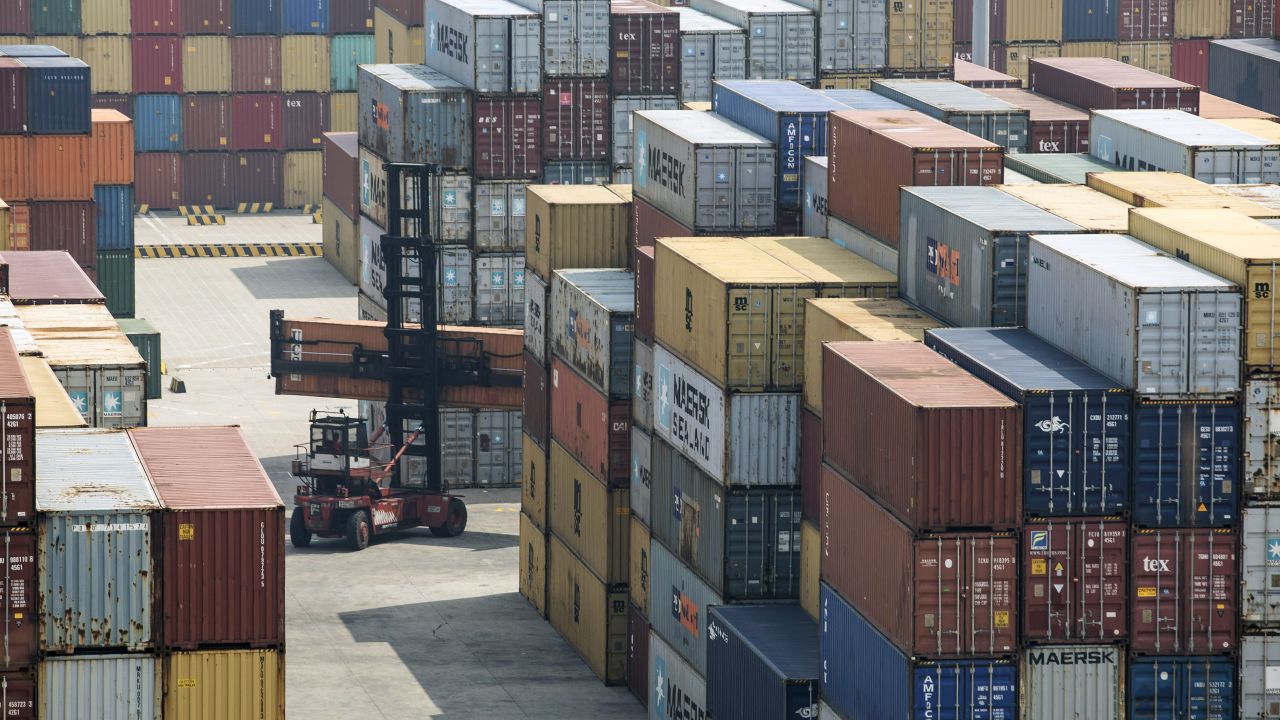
{"type": "Point", "coordinates": [534, 482]}
{"type": "Point", "coordinates": [1106, 84]}
{"type": "Point", "coordinates": [258, 177]}
{"type": "Point", "coordinates": [59, 167]}
{"type": "Point", "coordinates": [111, 149]}
{"type": "Point", "coordinates": [1191, 66]}
{"type": "Point", "coordinates": [222, 684]}
{"type": "Point", "coordinates": [933, 443]}
{"type": "Point", "coordinates": [304, 63]}
{"type": "Point", "coordinates": [1074, 574]}
{"type": "Point", "coordinates": [17, 440]}
{"type": "Point", "coordinates": [810, 465]}
{"type": "Point", "coordinates": [909, 148]}
{"type": "Point", "coordinates": [206, 64]}
{"type": "Point", "coordinates": [648, 223]}
{"type": "Point", "coordinates": [594, 429]}
{"type": "Point", "coordinates": [645, 48]}
{"type": "Point", "coordinates": [111, 60]}
{"type": "Point", "coordinates": [255, 64]}
{"type": "Point", "coordinates": [158, 180]}
{"type": "Point", "coordinates": [1054, 127]}
{"type": "Point", "coordinates": [156, 17]}
{"type": "Point", "coordinates": [157, 64]}
{"type": "Point", "coordinates": [342, 171]}
{"type": "Point", "coordinates": [593, 520]}
{"type": "Point", "coordinates": [537, 400]}
{"type": "Point", "coordinates": [1145, 20]}
{"type": "Point", "coordinates": [1184, 591]}
{"type": "Point", "coordinates": [644, 265]}
{"type": "Point", "coordinates": [207, 179]}
{"type": "Point", "coordinates": [255, 122]}
{"type": "Point", "coordinates": [589, 614]}
{"type": "Point", "coordinates": [206, 122]}
{"type": "Point", "coordinates": [67, 226]}
{"type": "Point", "coordinates": [303, 178]}
{"type": "Point", "coordinates": [209, 17]}
{"type": "Point", "coordinates": [304, 118]}
{"type": "Point", "coordinates": [638, 574]}
{"type": "Point", "coordinates": [533, 564]}
{"type": "Point", "coordinates": [575, 119]}
{"type": "Point", "coordinates": [222, 560]}
{"type": "Point", "coordinates": [932, 595]}
{"type": "Point", "coordinates": [572, 226]}
{"type": "Point", "coordinates": [508, 138]}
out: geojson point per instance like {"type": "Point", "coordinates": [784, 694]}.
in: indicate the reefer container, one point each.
{"type": "Point", "coordinates": [685, 600]}
{"type": "Point", "coordinates": [1063, 682]}
{"type": "Point", "coordinates": [499, 298]}
{"type": "Point", "coordinates": [965, 253]}
{"type": "Point", "coordinates": [645, 48]}
{"type": "Point", "coordinates": [1186, 463]}
{"type": "Point", "coordinates": [157, 64]}
{"type": "Point", "coordinates": [1259, 659]}
{"type": "Point", "coordinates": [1168, 304]}
{"type": "Point", "coordinates": [1053, 126]}
{"type": "Point", "coordinates": [415, 115]}
{"type": "Point", "coordinates": [1178, 686]}
{"type": "Point", "coordinates": [676, 690]}
{"type": "Point", "coordinates": [638, 566]}
{"type": "Point", "coordinates": [575, 37]}
{"type": "Point", "coordinates": [255, 62]}
{"type": "Point", "coordinates": [97, 573]}
{"type": "Point", "coordinates": [158, 123]}
{"type": "Point", "coordinates": [206, 65]}
{"type": "Point", "coordinates": [762, 662]}
{"type": "Point", "coordinates": [865, 677]}
{"type": "Point", "coordinates": [108, 686]}
{"type": "Point", "coordinates": [18, 435]}
{"type": "Point", "coordinates": [972, 111]}
{"type": "Point", "coordinates": [814, 186]}
{"type": "Point", "coordinates": [533, 564]}
{"type": "Point", "coordinates": [1260, 564]}
{"type": "Point", "coordinates": [710, 49]}
{"type": "Point", "coordinates": [910, 149]}
{"type": "Point", "coordinates": [592, 312]}
{"type": "Point", "coordinates": [303, 119]}
{"type": "Point", "coordinates": [1095, 83]}
{"type": "Point", "coordinates": [499, 212]}
{"type": "Point", "coordinates": [1074, 580]}
{"type": "Point", "coordinates": [936, 595]}
{"type": "Point", "coordinates": [589, 614]}
{"type": "Point", "coordinates": [705, 172]}
{"type": "Point", "coordinates": [490, 46]}
{"type": "Point", "coordinates": [537, 315]}
{"type": "Point", "coordinates": [455, 295]}
{"type": "Point", "coordinates": [1094, 211]}
{"type": "Point", "coordinates": [744, 541]}
{"type": "Point", "coordinates": [641, 474]}
{"type": "Point", "coordinates": [574, 227]}
{"type": "Point", "coordinates": [781, 37]}
{"type": "Point", "coordinates": [206, 122]}
{"type": "Point", "coordinates": [255, 122]}
{"type": "Point", "coordinates": [1077, 431]}
{"type": "Point", "coordinates": [507, 134]}
{"type": "Point", "coordinates": [893, 415]}
{"type": "Point", "coordinates": [224, 684]}
{"type": "Point", "coordinates": [590, 518]}
{"type": "Point", "coordinates": [1184, 591]}
{"type": "Point", "coordinates": [1057, 168]}
{"type": "Point", "coordinates": [1175, 141]}
{"type": "Point", "coordinates": [57, 95]}
{"type": "Point", "coordinates": [576, 119]}
{"type": "Point", "coordinates": [595, 429]}
{"type": "Point", "coordinates": [147, 340]}
{"type": "Point", "coordinates": [623, 135]}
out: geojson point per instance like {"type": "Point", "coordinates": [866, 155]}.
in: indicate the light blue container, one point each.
{"type": "Point", "coordinates": [346, 54]}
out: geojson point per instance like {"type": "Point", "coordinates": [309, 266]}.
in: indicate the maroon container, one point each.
{"type": "Point", "coordinates": [810, 465]}
{"type": "Point", "coordinates": [537, 401]}
{"type": "Point", "coordinates": [19, 438]}
{"type": "Point", "coordinates": [342, 171]}
{"type": "Point", "coordinates": [13, 97]}
{"type": "Point", "coordinates": [21, 626]}
{"type": "Point", "coordinates": [408, 12]}
{"type": "Point", "coordinates": [207, 179]}
{"type": "Point", "coordinates": [1252, 19]}
{"type": "Point", "coordinates": [20, 693]}
{"type": "Point", "coordinates": [157, 64]}
{"type": "Point", "coordinates": [305, 116]}
{"type": "Point", "coordinates": [107, 101]}
{"type": "Point", "coordinates": [255, 122]}
{"type": "Point", "coordinates": [643, 261]}
{"type": "Point", "coordinates": [646, 48]}
{"type": "Point", "coordinates": [1106, 84]}
{"type": "Point", "coordinates": [1184, 585]}
{"type": "Point", "coordinates": [638, 654]}
{"type": "Point", "coordinates": [208, 17]}
{"type": "Point", "coordinates": [1074, 580]}
{"type": "Point", "coordinates": [255, 64]}
{"type": "Point", "coordinates": [206, 122]}
{"type": "Point", "coordinates": [16, 19]}
{"type": "Point", "coordinates": [976, 76]}
{"type": "Point", "coordinates": [43, 278]}
{"type": "Point", "coordinates": [67, 226]}
{"type": "Point", "coordinates": [1145, 20]}
{"type": "Point", "coordinates": [154, 17]}
{"type": "Point", "coordinates": [575, 119]}
{"type": "Point", "coordinates": [508, 138]}
{"type": "Point", "coordinates": [351, 17]}
{"type": "Point", "coordinates": [649, 223]}
{"type": "Point", "coordinates": [592, 428]}
{"type": "Point", "coordinates": [158, 180]}
{"type": "Point", "coordinates": [258, 177]}
{"type": "Point", "coordinates": [932, 595]}
{"type": "Point", "coordinates": [963, 15]}
{"type": "Point", "coordinates": [1055, 127]}
{"type": "Point", "coordinates": [906, 148]}
{"type": "Point", "coordinates": [1191, 62]}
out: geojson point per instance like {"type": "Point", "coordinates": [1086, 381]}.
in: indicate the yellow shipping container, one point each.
{"type": "Point", "coordinates": [1265, 129]}
{"type": "Point", "coordinates": [696, 106]}
{"type": "Point", "coordinates": [341, 241]}
{"type": "Point", "coordinates": [839, 272]}
{"type": "Point", "coordinates": [920, 33]}
{"type": "Point", "coordinates": [1156, 56]}
{"type": "Point", "coordinates": [224, 685]}
{"type": "Point", "coordinates": [1033, 21]}
{"type": "Point", "coordinates": [69, 44]}
{"type": "Point", "coordinates": [303, 178]}
{"type": "Point", "coordinates": [1079, 204]}
{"type": "Point", "coordinates": [638, 579]}
{"type": "Point", "coordinates": [1090, 49]}
{"type": "Point", "coordinates": [590, 518]}
{"type": "Point", "coordinates": [834, 319]}
{"type": "Point", "coordinates": [810, 568]}
{"type": "Point", "coordinates": [591, 616]}
{"type": "Point", "coordinates": [848, 81]}
{"type": "Point", "coordinates": [1202, 19]}
{"type": "Point", "coordinates": [342, 112]}
{"type": "Point", "coordinates": [304, 63]}
{"type": "Point", "coordinates": [54, 408]}
{"type": "Point", "coordinates": [14, 40]}
{"type": "Point", "coordinates": [206, 64]}
{"type": "Point", "coordinates": [111, 60]}
{"type": "Point", "coordinates": [571, 226]}
{"type": "Point", "coordinates": [1169, 189]}
{"type": "Point", "coordinates": [533, 481]}
{"type": "Point", "coordinates": [1230, 245]}
{"type": "Point", "coordinates": [533, 565]}
{"type": "Point", "coordinates": [105, 17]}
{"type": "Point", "coordinates": [623, 191]}
{"type": "Point", "coordinates": [395, 42]}
{"type": "Point", "coordinates": [1018, 57]}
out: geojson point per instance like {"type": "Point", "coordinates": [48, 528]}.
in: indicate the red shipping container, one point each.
{"type": "Point", "coordinates": [649, 223]}
{"type": "Point", "coordinates": [258, 177]}
{"type": "Point", "coordinates": [963, 15]}
{"type": "Point", "coordinates": [1073, 574]}
{"type": "Point", "coordinates": [637, 654]}
{"type": "Point", "coordinates": [976, 76]}
{"type": "Point", "coordinates": [20, 692]}
{"type": "Point", "coordinates": [156, 17]}
{"type": "Point", "coordinates": [208, 179]}
{"type": "Point", "coordinates": [42, 278]}
{"type": "Point", "coordinates": [21, 625]}
{"type": "Point", "coordinates": [408, 12]}
{"type": "Point", "coordinates": [810, 465]}
{"type": "Point", "coordinates": [1252, 19]}
{"type": "Point", "coordinates": [932, 595]}
{"type": "Point", "coordinates": [13, 97]}
{"type": "Point", "coordinates": [255, 122]}
{"type": "Point", "coordinates": [508, 138]}
{"type": "Point", "coordinates": [19, 447]}
{"type": "Point", "coordinates": [1185, 588]}
{"type": "Point", "coordinates": [206, 122]}
{"type": "Point", "coordinates": [221, 549]}
{"type": "Point", "coordinates": [305, 117]}
{"type": "Point", "coordinates": [645, 47]}
{"type": "Point", "coordinates": [537, 401]}
{"type": "Point", "coordinates": [1106, 84]}
{"type": "Point", "coordinates": [996, 61]}
{"type": "Point", "coordinates": [576, 119]}
{"type": "Point", "coordinates": [906, 148]}
{"type": "Point", "coordinates": [158, 180]}
{"type": "Point", "coordinates": [342, 171]}
{"type": "Point", "coordinates": [255, 64]}
{"type": "Point", "coordinates": [106, 101]}
{"type": "Point", "coordinates": [1055, 127]}
{"type": "Point", "coordinates": [1145, 20]}
{"type": "Point", "coordinates": [157, 64]}
{"type": "Point", "coordinates": [67, 226]}
{"type": "Point", "coordinates": [938, 447]}
{"type": "Point", "coordinates": [643, 261]}
{"type": "Point", "coordinates": [351, 17]}
{"type": "Point", "coordinates": [1191, 63]}
{"type": "Point", "coordinates": [208, 17]}
{"type": "Point", "coordinates": [592, 428]}
{"type": "Point", "coordinates": [16, 19]}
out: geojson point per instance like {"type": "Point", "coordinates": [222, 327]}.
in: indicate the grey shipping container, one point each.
{"type": "Point", "coordinates": [858, 99]}
{"type": "Point", "coordinates": [1260, 565]}
{"type": "Point", "coordinates": [1261, 472]}
{"type": "Point", "coordinates": [109, 395]}
{"type": "Point", "coordinates": [499, 215]}
{"type": "Point", "coordinates": [592, 313]}
{"type": "Point", "coordinates": [499, 284]}
{"type": "Point", "coordinates": [457, 445]}
{"type": "Point", "coordinates": [642, 384]}
{"type": "Point", "coordinates": [966, 253]}
{"type": "Point", "coordinates": [147, 340]}
{"type": "Point", "coordinates": [1069, 682]}
{"type": "Point", "coordinates": [1176, 141]}
{"type": "Point", "coordinates": [623, 127]}
{"type": "Point", "coordinates": [499, 453]}
{"type": "Point", "coordinates": [1154, 324]}
{"type": "Point", "coordinates": [453, 277]}
{"type": "Point", "coordinates": [710, 49]}
{"type": "Point", "coordinates": [537, 299]}
{"type": "Point", "coordinates": [862, 244]}
{"type": "Point", "coordinates": [641, 473]}
{"type": "Point", "coordinates": [490, 46]}
{"type": "Point", "coordinates": [781, 37]}
{"type": "Point", "coordinates": [685, 599]}
{"type": "Point", "coordinates": [577, 172]}
{"type": "Point", "coordinates": [676, 690]}
{"type": "Point", "coordinates": [963, 107]}
{"type": "Point", "coordinates": [705, 172]}
{"type": "Point", "coordinates": [109, 687]}
{"type": "Point", "coordinates": [1259, 668]}
{"type": "Point", "coordinates": [1069, 168]}
{"type": "Point", "coordinates": [815, 197]}
{"type": "Point", "coordinates": [455, 220]}
{"type": "Point", "coordinates": [411, 113]}
{"type": "Point", "coordinates": [1244, 70]}
{"type": "Point", "coordinates": [851, 34]}
{"type": "Point", "coordinates": [575, 36]}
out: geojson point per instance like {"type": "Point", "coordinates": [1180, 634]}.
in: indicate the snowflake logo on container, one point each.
{"type": "Point", "coordinates": [81, 401]}
{"type": "Point", "coordinates": [498, 279]}
{"type": "Point", "coordinates": [451, 277]}
{"type": "Point", "coordinates": [664, 398]}
{"type": "Point", "coordinates": [1273, 551]}
{"type": "Point", "coordinates": [112, 403]}
{"type": "Point", "coordinates": [517, 279]}
{"type": "Point", "coordinates": [660, 689]}
{"type": "Point", "coordinates": [450, 198]}
{"type": "Point", "coordinates": [641, 174]}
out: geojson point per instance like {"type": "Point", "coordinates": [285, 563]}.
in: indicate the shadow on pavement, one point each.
{"type": "Point", "coordinates": [292, 278]}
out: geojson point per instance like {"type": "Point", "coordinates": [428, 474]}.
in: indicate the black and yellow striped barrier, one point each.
{"type": "Point", "coordinates": [144, 209]}
{"type": "Point", "coordinates": [206, 250]}
{"type": "Point", "coordinates": [254, 208]}
{"type": "Point", "coordinates": [317, 218]}
{"type": "Point", "coordinates": [311, 209]}
{"type": "Point", "coordinates": [189, 210]}
{"type": "Point", "coordinates": [206, 220]}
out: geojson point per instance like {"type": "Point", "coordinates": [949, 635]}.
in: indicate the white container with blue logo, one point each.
{"type": "Point", "coordinates": [676, 690]}
{"type": "Point", "coordinates": [1260, 566]}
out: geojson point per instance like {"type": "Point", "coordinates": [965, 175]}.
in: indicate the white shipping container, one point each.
{"type": "Point", "coordinates": [851, 34]}
{"type": "Point", "coordinates": [1259, 676]}
{"type": "Point", "coordinates": [106, 687]}
{"type": "Point", "coordinates": [1176, 141]}
{"type": "Point", "coordinates": [710, 49]}
{"type": "Point", "coordinates": [815, 197]}
{"type": "Point", "coordinates": [624, 128]}
{"type": "Point", "coordinates": [490, 46]}
{"type": "Point", "coordinates": [781, 37]}
{"type": "Point", "coordinates": [1072, 682]}
{"type": "Point", "coordinates": [454, 214]}
{"type": "Point", "coordinates": [642, 385]}
{"type": "Point", "coordinates": [499, 289]}
{"type": "Point", "coordinates": [1260, 565]}
{"type": "Point", "coordinates": [499, 213]}
{"type": "Point", "coordinates": [1262, 437]}
{"type": "Point", "coordinates": [592, 314]}
{"type": "Point", "coordinates": [575, 36]}
{"type": "Point", "coordinates": [454, 265]}
{"type": "Point", "coordinates": [676, 690]}
{"type": "Point", "coordinates": [537, 297]}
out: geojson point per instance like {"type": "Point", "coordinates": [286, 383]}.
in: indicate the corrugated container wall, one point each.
{"type": "Point", "coordinates": [1260, 605]}
{"type": "Point", "coordinates": [19, 435]}
{"type": "Point", "coordinates": [1185, 591]}
{"type": "Point", "coordinates": [208, 16]}
{"type": "Point", "coordinates": [304, 16]}
{"type": "Point", "coordinates": [591, 519]}
{"type": "Point", "coordinates": [675, 688]}
{"type": "Point", "coordinates": [683, 623]}
{"type": "Point", "coordinates": [303, 119]}
{"type": "Point", "coordinates": [1106, 84]}
{"type": "Point", "coordinates": [158, 123]}
{"type": "Point", "coordinates": [111, 149]}
{"type": "Point", "coordinates": [147, 341]}
{"type": "Point", "coordinates": [490, 46]}
{"type": "Point", "coordinates": [533, 564]}
{"type": "Point", "coordinates": [217, 684]}
{"type": "Point", "coordinates": [965, 108]}
{"type": "Point", "coordinates": [113, 687]}
{"type": "Point", "coordinates": [255, 122]}
{"type": "Point", "coordinates": [646, 48]}
{"type": "Point", "coordinates": [1178, 142]}
{"type": "Point", "coordinates": [105, 17]}
{"type": "Point", "coordinates": [157, 17]}
{"type": "Point", "coordinates": [207, 179]}
{"type": "Point", "coordinates": [396, 41]}
{"type": "Point", "coordinates": [710, 49]}
{"type": "Point", "coordinates": [67, 226]}
{"type": "Point", "coordinates": [641, 475]}
{"type": "Point", "coordinates": [303, 178]}
{"type": "Point", "coordinates": [623, 135]}
{"type": "Point", "coordinates": [764, 663]}
{"type": "Point", "coordinates": [576, 119]}
{"type": "Point", "coordinates": [781, 37]}
{"type": "Point", "coordinates": [1074, 580]}
{"type": "Point", "coordinates": [111, 57]}
{"type": "Point", "coordinates": [638, 570]}
{"type": "Point", "coordinates": [258, 177]}
{"type": "Point", "coordinates": [1236, 69]}
{"type": "Point", "coordinates": [351, 17]}
{"type": "Point", "coordinates": [1202, 18]}
{"type": "Point", "coordinates": [1063, 682]}
{"type": "Point", "coordinates": [1259, 657]}
{"type": "Point", "coordinates": [304, 63]}
{"type": "Point", "coordinates": [206, 64]}
{"type": "Point", "coordinates": [255, 18]}
{"type": "Point", "coordinates": [346, 54]}
{"type": "Point", "coordinates": [575, 37]}
{"type": "Point", "coordinates": [157, 64]}
{"type": "Point", "coordinates": [592, 312]}
{"type": "Point", "coordinates": [594, 428]}
{"type": "Point", "coordinates": [158, 179]}
{"type": "Point", "coordinates": [255, 62]}
{"type": "Point", "coordinates": [590, 615]}
{"type": "Point", "coordinates": [61, 167]}
{"type": "Point", "coordinates": [574, 227]}
{"type": "Point", "coordinates": [114, 273]}
{"type": "Point", "coordinates": [814, 179]}
{"type": "Point", "coordinates": [1193, 687]}
{"type": "Point", "coordinates": [507, 134]}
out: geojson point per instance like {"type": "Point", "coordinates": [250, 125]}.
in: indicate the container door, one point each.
{"type": "Point", "coordinates": [714, 175]}
{"type": "Point", "coordinates": [730, 58]}
{"type": "Point", "coordinates": [1260, 563]}
{"type": "Point", "coordinates": [1211, 592]}
{"type": "Point", "coordinates": [1181, 687]}
{"type": "Point", "coordinates": [560, 21]}
{"type": "Point", "coordinates": [21, 642]}
{"type": "Point", "coordinates": [455, 285]}
{"type": "Point", "coordinates": [869, 35]}
{"type": "Point", "coordinates": [940, 587]}
{"type": "Point", "coordinates": [526, 55]}
{"type": "Point", "coordinates": [798, 47]}
{"type": "Point", "coordinates": [1162, 344]}
{"type": "Point", "coordinates": [1262, 437]}
{"type": "Point", "coordinates": [750, 320]}
{"type": "Point", "coordinates": [697, 64]}
{"type": "Point", "coordinates": [1260, 677]}
{"type": "Point", "coordinates": [765, 46]}
{"type": "Point", "coordinates": [754, 201]}
{"type": "Point", "coordinates": [1215, 349]}
{"type": "Point", "coordinates": [837, 19]}
{"type": "Point", "coordinates": [1185, 465]}
{"type": "Point", "coordinates": [593, 38]}
{"type": "Point", "coordinates": [492, 55]}
{"type": "Point", "coordinates": [1009, 280]}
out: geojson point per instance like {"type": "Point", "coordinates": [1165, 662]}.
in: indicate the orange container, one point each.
{"type": "Point", "coordinates": [111, 149]}
{"type": "Point", "coordinates": [60, 167]}
{"type": "Point", "coordinates": [14, 169]}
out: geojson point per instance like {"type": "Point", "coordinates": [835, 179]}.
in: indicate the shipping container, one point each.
{"type": "Point", "coordinates": [1174, 141]}
{"type": "Point", "coordinates": [1186, 470]}
{"type": "Point", "coordinates": [205, 122]}
{"type": "Point", "coordinates": [851, 35]}
{"type": "Point", "coordinates": [638, 570]}
{"type": "Point", "coordinates": [1202, 18]}
{"type": "Point", "coordinates": [455, 296]}
{"type": "Point", "coordinates": [1259, 658]}
{"type": "Point", "coordinates": [814, 186]}
{"type": "Point", "coordinates": [352, 17]}
{"type": "Point", "coordinates": [919, 38]}
{"type": "Point", "coordinates": [638, 654]}
{"type": "Point", "coordinates": [1083, 206]}
{"type": "Point", "coordinates": [158, 123]}
{"type": "Point", "coordinates": [978, 76]}
{"type": "Point", "coordinates": [1260, 566]}
{"type": "Point", "coordinates": [645, 56]}
{"type": "Point", "coordinates": [1065, 682]}
{"type": "Point", "coordinates": [303, 119]}
{"type": "Point", "coordinates": [97, 571]}
{"type": "Point", "coordinates": [1177, 686]}
{"type": "Point", "coordinates": [710, 49]}
{"type": "Point", "coordinates": [57, 100]}
{"type": "Point", "coordinates": [342, 171]}
{"type": "Point", "coordinates": [67, 226]}
{"type": "Point", "coordinates": [15, 156]}
{"type": "Point", "coordinates": [507, 134]}
{"type": "Point", "coordinates": [574, 227]}
{"type": "Point", "coordinates": [147, 341]}
{"type": "Point", "coordinates": [13, 101]}
{"type": "Point", "coordinates": [111, 686]}
{"type": "Point", "coordinates": [596, 430]}
{"type": "Point", "coordinates": [55, 411]}
{"type": "Point", "coordinates": [60, 168]}
{"type": "Point", "coordinates": [1054, 127]}
{"type": "Point", "coordinates": [579, 172]}
{"type": "Point", "coordinates": [810, 465]}
{"type": "Point", "coordinates": [641, 474]}
{"type": "Point", "coordinates": [207, 17]}
{"type": "Point", "coordinates": [18, 401]}
{"type": "Point", "coordinates": [499, 287]}
{"type": "Point", "coordinates": [1089, 20]}
{"type": "Point", "coordinates": [1173, 189]}
{"type": "Point", "coordinates": [111, 57]}
{"type": "Point", "coordinates": [1190, 64]}
{"type": "Point", "coordinates": [303, 178]}
{"type": "Point", "coordinates": [969, 110]}
{"type": "Point", "coordinates": [17, 22]}
{"type": "Point", "coordinates": [1236, 69]}
{"type": "Point", "coordinates": [114, 274]}
{"type": "Point", "coordinates": [206, 64]}
{"type": "Point", "coordinates": [589, 614]}
{"type": "Point", "coordinates": [810, 554]}
{"type": "Point", "coordinates": [255, 122]}
{"type": "Point", "coordinates": [537, 400]}
{"type": "Point", "coordinates": [1017, 58]}
{"type": "Point", "coordinates": [1184, 591]}
{"type": "Point", "coordinates": [208, 179]}
{"type": "Point", "coordinates": [533, 564]}
{"type": "Point", "coordinates": [305, 16]}
{"type": "Point", "coordinates": [781, 42]}
{"type": "Point", "coordinates": [623, 107]}
{"type": "Point", "coordinates": [304, 63]}
{"type": "Point", "coordinates": [346, 53]}
{"type": "Point", "coordinates": [592, 313]}
{"type": "Point", "coordinates": [576, 119]}
{"type": "Point", "coordinates": [676, 689]}
{"type": "Point", "coordinates": [534, 477]}
{"type": "Point", "coordinates": [537, 315]}
{"type": "Point", "coordinates": [224, 684]}
{"type": "Point", "coordinates": [156, 17]}
{"type": "Point", "coordinates": [48, 278]}
{"type": "Point", "coordinates": [863, 100]}
{"type": "Point", "coordinates": [255, 18]}
{"type": "Point", "coordinates": [1106, 84]}
{"type": "Point", "coordinates": [258, 177]}
{"type": "Point", "coordinates": [1057, 168]}
{"type": "Point", "coordinates": [157, 66]}
{"type": "Point", "coordinates": [686, 598]}
{"type": "Point", "coordinates": [111, 149]}
{"type": "Point", "coordinates": [1074, 575]}
{"type": "Point", "coordinates": [19, 701]}
{"type": "Point", "coordinates": [763, 663]}
{"type": "Point", "coordinates": [1168, 304]}
{"type": "Point", "coordinates": [490, 46]}
{"type": "Point", "coordinates": [643, 392]}
{"type": "Point", "coordinates": [396, 41]}
{"type": "Point", "coordinates": [255, 61]}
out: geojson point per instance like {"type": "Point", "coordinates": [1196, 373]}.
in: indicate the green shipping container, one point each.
{"type": "Point", "coordinates": [115, 280]}
{"type": "Point", "coordinates": [345, 54]}
{"type": "Point", "coordinates": [147, 339]}
{"type": "Point", "coordinates": [55, 17]}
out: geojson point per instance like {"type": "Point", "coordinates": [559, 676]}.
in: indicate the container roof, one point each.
{"type": "Point", "coordinates": [575, 194]}
{"type": "Point", "coordinates": [1023, 360]}
{"type": "Point", "coordinates": [784, 637]}
{"type": "Point", "coordinates": [863, 100]}
{"type": "Point", "coordinates": [732, 260]}
{"type": "Point", "coordinates": [1185, 128]}
{"type": "Point", "coordinates": [201, 468]}
{"type": "Point", "coordinates": [823, 261]}
{"type": "Point", "coordinates": [612, 289]}
{"type": "Point", "coordinates": [782, 95]}
{"type": "Point", "coordinates": [1214, 108]}
{"type": "Point", "coordinates": [347, 142]}
{"type": "Point", "coordinates": [1131, 262]}
{"type": "Point", "coordinates": [13, 381]}
{"type": "Point", "coordinates": [919, 375]}
{"type": "Point", "coordinates": [949, 96]}
{"type": "Point", "coordinates": [702, 128]}
{"type": "Point", "coordinates": [966, 71]}
{"type": "Point", "coordinates": [1079, 204]}
{"type": "Point", "coordinates": [1111, 73]}
{"type": "Point", "coordinates": [692, 20]}
{"type": "Point", "coordinates": [915, 129]}
{"type": "Point", "coordinates": [1264, 47]}
{"type": "Point", "coordinates": [413, 78]}
{"type": "Point", "coordinates": [993, 210]}
{"type": "Point", "coordinates": [54, 408]}
{"type": "Point", "coordinates": [1069, 167]}
{"type": "Point", "coordinates": [877, 318]}
{"type": "Point", "coordinates": [90, 470]}
{"type": "Point", "coordinates": [1040, 107]}
{"type": "Point", "coordinates": [48, 276]}
{"type": "Point", "coordinates": [1229, 231]}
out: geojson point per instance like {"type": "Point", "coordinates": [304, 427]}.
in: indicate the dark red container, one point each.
{"type": "Point", "coordinates": [45, 278]}
{"type": "Point", "coordinates": [16, 19]}
{"type": "Point", "coordinates": [508, 138]}
{"type": "Point", "coordinates": [351, 17]}
{"type": "Point", "coordinates": [305, 117]}
{"type": "Point", "coordinates": [1074, 574]}
{"type": "Point", "coordinates": [255, 122]}
{"type": "Point", "coordinates": [108, 101]}
{"type": "Point", "coordinates": [537, 401]}
{"type": "Point", "coordinates": [938, 447]}
{"type": "Point", "coordinates": [1106, 84]}
{"type": "Point", "coordinates": [592, 428]}
{"type": "Point", "coordinates": [158, 180]}
{"type": "Point", "coordinates": [207, 17]}
{"type": "Point", "coordinates": [13, 97]}
{"type": "Point", "coordinates": [208, 179]}
{"type": "Point", "coordinates": [21, 625]}
{"type": "Point", "coordinates": [1191, 62]}
{"type": "Point", "coordinates": [342, 171]}
{"type": "Point", "coordinates": [976, 76]}
{"type": "Point", "coordinates": [963, 15]}
{"type": "Point", "coordinates": [67, 226]}
{"type": "Point", "coordinates": [157, 64]}
{"type": "Point", "coordinates": [408, 12]}
{"type": "Point", "coordinates": [649, 223]}
{"type": "Point", "coordinates": [255, 64]}
{"type": "Point", "coordinates": [19, 438]}
{"type": "Point", "coordinates": [932, 595]}
{"type": "Point", "coordinates": [206, 122]}
{"type": "Point", "coordinates": [154, 17]}
{"type": "Point", "coordinates": [810, 465]}
{"type": "Point", "coordinates": [643, 261]}
{"type": "Point", "coordinates": [575, 119]}
{"type": "Point", "coordinates": [645, 47]}
{"type": "Point", "coordinates": [222, 559]}
{"type": "Point", "coordinates": [637, 654]}
{"type": "Point", "coordinates": [1055, 127]}
{"type": "Point", "coordinates": [1184, 585]}
{"type": "Point", "coordinates": [258, 177]}
{"type": "Point", "coordinates": [1252, 18]}
{"type": "Point", "coordinates": [996, 61]}
{"type": "Point", "coordinates": [1145, 20]}
{"type": "Point", "coordinates": [20, 693]}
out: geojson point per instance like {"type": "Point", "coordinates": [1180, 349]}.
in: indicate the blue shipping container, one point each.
{"type": "Point", "coordinates": [57, 95]}
{"type": "Point", "coordinates": [864, 677]}
{"type": "Point", "coordinates": [52, 17]}
{"type": "Point", "coordinates": [157, 123]}
{"type": "Point", "coordinates": [114, 207]}
{"type": "Point", "coordinates": [255, 17]}
{"type": "Point", "coordinates": [1186, 464]}
{"type": "Point", "coordinates": [788, 114]}
{"type": "Point", "coordinates": [762, 662]}
{"type": "Point", "coordinates": [302, 17]}
{"type": "Point", "coordinates": [863, 99]}
{"type": "Point", "coordinates": [1182, 688]}
{"type": "Point", "coordinates": [1089, 20]}
{"type": "Point", "coordinates": [346, 54]}
{"type": "Point", "coordinates": [1077, 424]}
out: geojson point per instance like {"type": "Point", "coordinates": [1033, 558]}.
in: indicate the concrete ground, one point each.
{"type": "Point", "coordinates": [283, 226]}
{"type": "Point", "coordinates": [412, 627]}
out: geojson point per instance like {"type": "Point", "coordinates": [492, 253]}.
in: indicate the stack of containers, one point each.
{"type": "Point", "coordinates": [111, 169]}
{"type": "Point", "coordinates": [645, 71]}
{"type": "Point", "coordinates": [340, 211]}
{"type": "Point", "coordinates": [18, 404]}
{"type": "Point", "coordinates": [710, 49]}
{"type": "Point", "coordinates": [781, 38]}
{"type": "Point", "coordinates": [1175, 141]}
{"type": "Point", "coordinates": [1095, 83]}
{"type": "Point", "coordinates": [1053, 126]}
{"type": "Point", "coordinates": [399, 36]}
{"type": "Point", "coordinates": [972, 111]}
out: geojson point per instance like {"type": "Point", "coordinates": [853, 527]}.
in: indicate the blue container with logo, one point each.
{"type": "Point", "coordinates": [1186, 470]}
{"type": "Point", "coordinates": [305, 17]}
{"type": "Point", "coordinates": [57, 95]}
{"type": "Point", "coordinates": [255, 17]}
{"type": "Point", "coordinates": [114, 207]}
{"type": "Point", "coordinates": [762, 662]}
{"type": "Point", "coordinates": [788, 114]}
{"type": "Point", "coordinates": [1182, 688]}
{"type": "Point", "coordinates": [157, 123]}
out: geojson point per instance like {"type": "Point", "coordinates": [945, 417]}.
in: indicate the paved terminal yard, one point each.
{"type": "Point", "coordinates": [412, 627]}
